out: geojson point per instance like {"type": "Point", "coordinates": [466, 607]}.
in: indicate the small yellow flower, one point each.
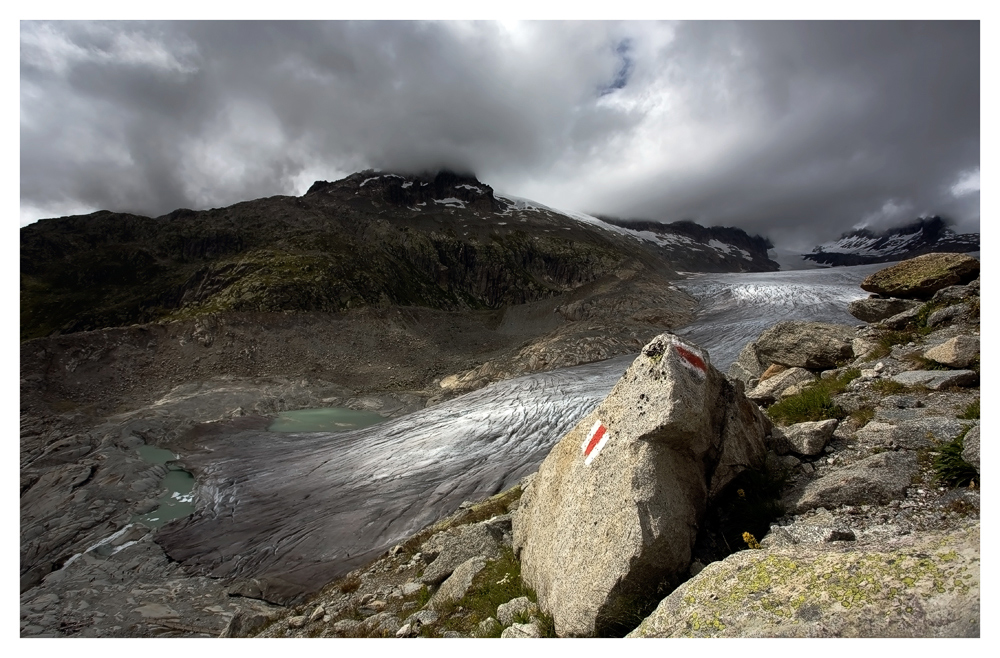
{"type": "Point", "coordinates": [741, 493]}
{"type": "Point", "coordinates": [750, 540]}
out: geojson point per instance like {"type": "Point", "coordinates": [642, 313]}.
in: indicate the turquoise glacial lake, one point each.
{"type": "Point", "coordinates": [178, 502]}
{"type": "Point", "coordinates": [330, 419]}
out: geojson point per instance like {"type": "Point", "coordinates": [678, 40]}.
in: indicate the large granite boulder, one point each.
{"type": "Point", "coordinates": [921, 277]}
{"type": "Point", "coordinates": [614, 510]}
{"type": "Point", "coordinates": [912, 434]}
{"type": "Point", "coordinates": [913, 586]}
{"type": "Point", "coordinates": [812, 345]}
{"type": "Point", "coordinates": [874, 309]}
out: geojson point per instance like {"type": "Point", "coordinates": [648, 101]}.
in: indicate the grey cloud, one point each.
{"type": "Point", "coordinates": [843, 118]}
{"type": "Point", "coordinates": [794, 130]}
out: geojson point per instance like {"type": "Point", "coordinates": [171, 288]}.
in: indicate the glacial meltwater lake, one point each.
{"type": "Point", "coordinates": [178, 502]}
{"type": "Point", "coordinates": [330, 419]}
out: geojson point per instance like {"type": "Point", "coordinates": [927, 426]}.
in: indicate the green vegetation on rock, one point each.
{"type": "Point", "coordinates": [815, 402]}
{"type": "Point", "coordinates": [495, 585]}
{"type": "Point", "coordinates": [971, 411]}
{"type": "Point", "coordinates": [949, 467]}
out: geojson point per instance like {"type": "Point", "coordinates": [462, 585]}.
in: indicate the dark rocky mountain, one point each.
{"type": "Point", "coordinates": [924, 236]}
{"type": "Point", "coordinates": [442, 241]}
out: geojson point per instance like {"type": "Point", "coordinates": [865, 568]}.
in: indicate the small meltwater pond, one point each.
{"type": "Point", "coordinates": [330, 419]}
{"type": "Point", "coordinates": [178, 501]}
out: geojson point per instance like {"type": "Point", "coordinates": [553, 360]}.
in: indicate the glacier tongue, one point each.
{"type": "Point", "coordinates": [301, 509]}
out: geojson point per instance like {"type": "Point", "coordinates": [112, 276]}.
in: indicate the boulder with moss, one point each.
{"type": "Point", "coordinates": [912, 586]}
{"type": "Point", "coordinates": [921, 277]}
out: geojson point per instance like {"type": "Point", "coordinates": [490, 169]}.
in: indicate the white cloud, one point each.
{"type": "Point", "coordinates": [967, 183]}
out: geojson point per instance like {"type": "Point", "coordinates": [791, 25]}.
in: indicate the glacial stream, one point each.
{"type": "Point", "coordinates": [297, 510]}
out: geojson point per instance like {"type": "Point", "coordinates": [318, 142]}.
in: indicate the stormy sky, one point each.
{"type": "Point", "coordinates": [795, 130]}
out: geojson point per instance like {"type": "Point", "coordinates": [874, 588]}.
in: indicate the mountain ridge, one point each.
{"type": "Point", "coordinates": [372, 239]}
{"type": "Point", "coordinates": [922, 236]}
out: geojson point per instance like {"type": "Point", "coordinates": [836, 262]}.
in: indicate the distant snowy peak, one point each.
{"type": "Point", "coordinates": [861, 246]}
{"type": "Point", "coordinates": [686, 245]}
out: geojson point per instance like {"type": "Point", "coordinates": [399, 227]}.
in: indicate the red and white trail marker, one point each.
{"type": "Point", "coordinates": [690, 360]}
{"type": "Point", "coordinates": [595, 440]}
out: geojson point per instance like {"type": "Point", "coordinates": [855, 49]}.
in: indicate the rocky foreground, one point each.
{"type": "Point", "coordinates": [852, 505]}
{"type": "Point", "coordinates": [854, 499]}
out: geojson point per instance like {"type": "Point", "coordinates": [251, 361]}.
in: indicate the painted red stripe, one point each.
{"type": "Point", "coordinates": [594, 441]}
{"type": "Point", "coordinates": [691, 357]}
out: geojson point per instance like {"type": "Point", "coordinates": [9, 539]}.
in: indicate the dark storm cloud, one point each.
{"type": "Point", "coordinates": [795, 130]}
{"type": "Point", "coordinates": [835, 124]}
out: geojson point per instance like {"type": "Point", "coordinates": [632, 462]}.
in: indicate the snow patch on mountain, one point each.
{"type": "Point", "coordinates": [925, 235]}
{"type": "Point", "coordinates": [728, 248]}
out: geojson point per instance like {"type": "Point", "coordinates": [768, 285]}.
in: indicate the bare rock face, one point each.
{"type": "Point", "coordinates": [747, 366]}
{"type": "Point", "coordinates": [451, 548]}
{"type": "Point", "coordinates": [508, 612]}
{"type": "Point", "coordinates": [458, 583]}
{"type": "Point", "coordinates": [921, 277]}
{"type": "Point", "coordinates": [937, 379]}
{"type": "Point", "coordinates": [947, 314]}
{"type": "Point", "coordinates": [875, 480]}
{"type": "Point", "coordinates": [970, 450]}
{"type": "Point", "coordinates": [812, 345]}
{"type": "Point", "coordinates": [614, 509]}
{"type": "Point", "coordinates": [874, 309]}
{"type": "Point", "coordinates": [916, 586]}
{"type": "Point", "coordinates": [772, 388]}
{"type": "Point", "coordinates": [807, 438]}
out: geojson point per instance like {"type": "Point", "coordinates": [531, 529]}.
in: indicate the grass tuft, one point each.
{"type": "Point", "coordinates": [971, 411]}
{"type": "Point", "coordinates": [890, 387]}
{"type": "Point", "coordinates": [815, 402]}
{"type": "Point", "coordinates": [863, 416]}
{"type": "Point", "coordinates": [350, 584]}
{"type": "Point", "coordinates": [949, 468]}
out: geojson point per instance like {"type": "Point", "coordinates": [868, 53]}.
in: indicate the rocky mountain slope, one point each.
{"type": "Point", "coordinates": [440, 241]}
{"type": "Point", "coordinates": [924, 236]}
